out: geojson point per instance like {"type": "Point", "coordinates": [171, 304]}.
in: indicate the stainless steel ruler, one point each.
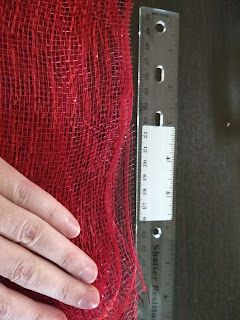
{"type": "Point", "coordinates": [156, 159]}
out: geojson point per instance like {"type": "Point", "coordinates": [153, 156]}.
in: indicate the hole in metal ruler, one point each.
{"type": "Point", "coordinates": [159, 73]}
{"type": "Point", "coordinates": [161, 27]}
{"type": "Point", "coordinates": [159, 119]}
{"type": "Point", "coordinates": [157, 232]}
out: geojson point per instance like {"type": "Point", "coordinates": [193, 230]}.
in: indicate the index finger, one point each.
{"type": "Point", "coordinates": [17, 188]}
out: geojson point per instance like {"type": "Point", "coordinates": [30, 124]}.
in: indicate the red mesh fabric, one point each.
{"type": "Point", "coordinates": [65, 113]}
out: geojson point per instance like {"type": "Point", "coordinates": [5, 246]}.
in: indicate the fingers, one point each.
{"type": "Point", "coordinates": [18, 189]}
{"type": "Point", "coordinates": [36, 221]}
{"type": "Point", "coordinates": [32, 232]}
{"type": "Point", "coordinates": [15, 306]}
{"type": "Point", "coordinates": [32, 272]}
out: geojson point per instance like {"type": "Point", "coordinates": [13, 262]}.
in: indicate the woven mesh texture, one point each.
{"type": "Point", "coordinates": [65, 123]}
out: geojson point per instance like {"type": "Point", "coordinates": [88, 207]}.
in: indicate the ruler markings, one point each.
{"type": "Point", "coordinates": [157, 53]}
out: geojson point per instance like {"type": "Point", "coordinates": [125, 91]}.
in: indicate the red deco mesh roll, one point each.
{"type": "Point", "coordinates": [65, 123]}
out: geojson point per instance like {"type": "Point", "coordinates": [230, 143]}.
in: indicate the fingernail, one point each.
{"type": "Point", "coordinates": [90, 300]}
{"type": "Point", "coordinates": [89, 274]}
{"type": "Point", "coordinates": [73, 227]}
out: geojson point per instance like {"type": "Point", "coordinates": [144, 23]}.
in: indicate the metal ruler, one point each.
{"type": "Point", "coordinates": [156, 160]}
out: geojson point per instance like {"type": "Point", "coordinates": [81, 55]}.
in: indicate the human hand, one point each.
{"type": "Point", "coordinates": [36, 254]}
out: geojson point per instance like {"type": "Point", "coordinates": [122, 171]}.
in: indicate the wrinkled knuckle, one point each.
{"type": "Point", "coordinates": [22, 193]}
{"type": "Point", "coordinates": [64, 292]}
{"type": "Point", "coordinates": [24, 273]}
{"type": "Point", "coordinates": [30, 233]}
{"type": "Point", "coordinates": [67, 260]}
{"type": "Point", "coordinates": [51, 212]}
{"type": "Point", "coordinates": [5, 308]}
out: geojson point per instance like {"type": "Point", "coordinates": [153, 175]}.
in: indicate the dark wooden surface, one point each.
{"type": "Point", "coordinates": [208, 168]}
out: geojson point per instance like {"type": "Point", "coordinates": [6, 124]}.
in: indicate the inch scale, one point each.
{"type": "Point", "coordinates": [156, 160]}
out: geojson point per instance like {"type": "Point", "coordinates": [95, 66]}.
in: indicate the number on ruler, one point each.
{"type": "Point", "coordinates": [145, 106]}
{"type": "Point", "coordinates": [147, 17]}
{"type": "Point", "coordinates": [145, 163]}
{"type": "Point", "coordinates": [146, 60]}
{"type": "Point", "coordinates": [144, 206]}
{"type": "Point", "coordinates": [148, 31]}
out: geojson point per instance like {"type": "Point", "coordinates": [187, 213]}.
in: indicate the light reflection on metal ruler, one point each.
{"type": "Point", "coordinates": [156, 159]}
